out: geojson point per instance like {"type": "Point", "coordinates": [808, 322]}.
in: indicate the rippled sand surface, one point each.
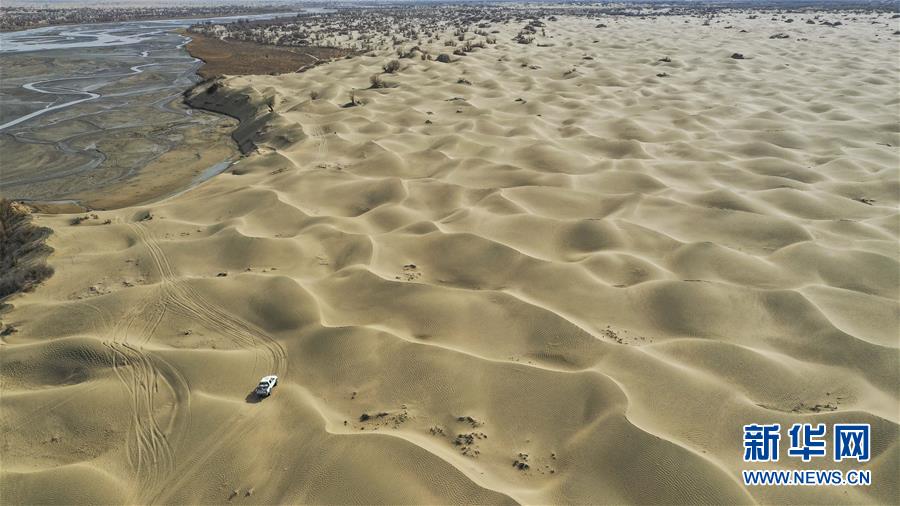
{"type": "Point", "coordinates": [542, 255]}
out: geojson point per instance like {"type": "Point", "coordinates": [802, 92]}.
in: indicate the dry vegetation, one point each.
{"type": "Point", "coordinates": [406, 28]}
{"type": "Point", "coordinates": [22, 250]}
{"type": "Point", "coordinates": [236, 57]}
{"type": "Point", "coordinates": [295, 44]}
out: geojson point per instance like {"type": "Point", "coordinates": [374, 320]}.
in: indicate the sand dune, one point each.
{"type": "Point", "coordinates": [569, 263]}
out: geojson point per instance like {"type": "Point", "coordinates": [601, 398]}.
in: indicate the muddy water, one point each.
{"type": "Point", "coordinates": [93, 114]}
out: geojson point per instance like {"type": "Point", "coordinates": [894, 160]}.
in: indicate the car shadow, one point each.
{"type": "Point", "coordinates": [252, 398]}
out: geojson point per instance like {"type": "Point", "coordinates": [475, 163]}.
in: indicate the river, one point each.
{"type": "Point", "coordinates": [85, 108]}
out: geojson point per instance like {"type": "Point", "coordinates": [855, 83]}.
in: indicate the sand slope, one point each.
{"type": "Point", "coordinates": [611, 276]}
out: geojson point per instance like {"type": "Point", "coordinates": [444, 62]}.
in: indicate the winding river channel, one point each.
{"type": "Point", "coordinates": [85, 109]}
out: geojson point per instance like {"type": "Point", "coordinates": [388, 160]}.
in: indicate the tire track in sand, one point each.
{"type": "Point", "coordinates": [186, 300]}
{"type": "Point", "coordinates": [178, 296]}
{"type": "Point", "coordinates": [150, 454]}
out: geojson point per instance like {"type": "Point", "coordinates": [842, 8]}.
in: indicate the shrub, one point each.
{"type": "Point", "coordinates": [23, 251]}
{"type": "Point", "coordinates": [376, 82]}
{"type": "Point", "coordinates": [391, 66]}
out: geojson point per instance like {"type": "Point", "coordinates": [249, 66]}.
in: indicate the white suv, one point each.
{"type": "Point", "coordinates": [264, 389]}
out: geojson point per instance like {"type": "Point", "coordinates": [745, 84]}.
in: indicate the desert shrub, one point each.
{"type": "Point", "coordinates": [23, 250]}
{"type": "Point", "coordinates": [23, 279]}
{"type": "Point", "coordinates": [391, 66]}
{"type": "Point", "coordinates": [411, 53]}
{"type": "Point", "coordinates": [443, 58]}
{"type": "Point", "coordinates": [521, 38]}
{"type": "Point", "coordinates": [376, 82]}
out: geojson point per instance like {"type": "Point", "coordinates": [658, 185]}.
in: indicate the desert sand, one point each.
{"type": "Point", "coordinates": [570, 255]}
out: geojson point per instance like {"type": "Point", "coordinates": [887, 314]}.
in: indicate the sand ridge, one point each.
{"type": "Point", "coordinates": [548, 256]}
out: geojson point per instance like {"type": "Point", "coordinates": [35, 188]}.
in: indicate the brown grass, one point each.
{"type": "Point", "coordinates": [230, 57]}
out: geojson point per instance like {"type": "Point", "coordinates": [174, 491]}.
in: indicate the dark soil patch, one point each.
{"type": "Point", "coordinates": [232, 57]}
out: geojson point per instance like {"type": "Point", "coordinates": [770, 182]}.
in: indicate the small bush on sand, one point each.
{"type": "Point", "coordinates": [391, 66]}
{"type": "Point", "coordinates": [409, 54]}
{"type": "Point", "coordinates": [443, 58]}
{"type": "Point", "coordinates": [354, 101]}
{"type": "Point", "coordinates": [377, 82]}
